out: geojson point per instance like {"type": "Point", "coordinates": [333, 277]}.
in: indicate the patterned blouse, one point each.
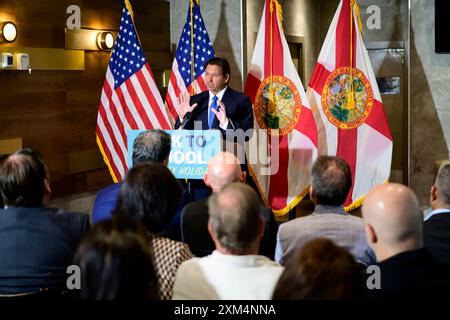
{"type": "Point", "coordinates": [168, 256]}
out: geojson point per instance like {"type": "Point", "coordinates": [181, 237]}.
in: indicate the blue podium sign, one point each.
{"type": "Point", "coordinates": [190, 152]}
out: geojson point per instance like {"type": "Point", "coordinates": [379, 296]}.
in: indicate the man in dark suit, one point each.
{"type": "Point", "coordinates": [223, 169]}
{"type": "Point", "coordinates": [393, 225]}
{"type": "Point", "coordinates": [436, 228]}
{"type": "Point", "coordinates": [37, 243]}
{"type": "Point", "coordinates": [218, 108]}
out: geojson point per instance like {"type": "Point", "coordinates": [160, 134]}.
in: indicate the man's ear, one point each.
{"type": "Point", "coordinates": [227, 78]}
{"type": "Point", "coordinates": [262, 227]}
{"type": "Point", "coordinates": [206, 180]}
{"type": "Point", "coordinates": [370, 233]}
{"type": "Point", "coordinates": [312, 194]}
{"type": "Point", "coordinates": [211, 231]}
{"type": "Point", "coordinates": [243, 177]}
{"type": "Point", "coordinates": [47, 192]}
{"type": "Point", "coordinates": [433, 194]}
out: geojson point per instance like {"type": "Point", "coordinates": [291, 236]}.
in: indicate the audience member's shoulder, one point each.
{"type": "Point", "coordinates": [113, 188]}
{"type": "Point", "coordinates": [294, 223]}
{"type": "Point", "coordinates": [355, 218]}
{"type": "Point", "coordinates": [264, 261]}
{"type": "Point", "coordinates": [168, 245]}
{"type": "Point", "coordinates": [71, 217]}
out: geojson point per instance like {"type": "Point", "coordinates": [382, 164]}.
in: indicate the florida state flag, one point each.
{"type": "Point", "coordinates": [280, 161]}
{"type": "Point", "coordinates": [347, 105]}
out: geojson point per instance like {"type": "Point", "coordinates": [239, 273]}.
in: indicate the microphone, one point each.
{"type": "Point", "coordinates": [186, 118]}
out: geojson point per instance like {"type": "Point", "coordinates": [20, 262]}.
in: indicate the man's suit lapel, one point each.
{"type": "Point", "coordinates": [202, 110]}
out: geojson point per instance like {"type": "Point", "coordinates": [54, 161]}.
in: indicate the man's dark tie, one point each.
{"type": "Point", "coordinates": [214, 106]}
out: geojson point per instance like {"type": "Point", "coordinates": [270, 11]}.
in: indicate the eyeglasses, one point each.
{"type": "Point", "coordinates": [214, 75]}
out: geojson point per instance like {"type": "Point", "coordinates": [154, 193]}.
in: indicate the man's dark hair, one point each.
{"type": "Point", "coordinates": [235, 215]}
{"type": "Point", "coordinates": [152, 145]}
{"type": "Point", "coordinates": [443, 183]}
{"type": "Point", "coordinates": [149, 194]}
{"type": "Point", "coordinates": [331, 180]}
{"type": "Point", "coordinates": [221, 62]}
{"type": "Point", "coordinates": [22, 179]}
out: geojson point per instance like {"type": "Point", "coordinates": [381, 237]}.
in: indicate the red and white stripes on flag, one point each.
{"type": "Point", "coordinates": [347, 105]}
{"type": "Point", "coordinates": [280, 105]}
{"type": "Point", "coordinates": [129, 99]}
{"type": "Point", "coordinates": [194, 49]}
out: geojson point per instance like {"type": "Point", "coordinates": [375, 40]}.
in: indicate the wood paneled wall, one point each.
{"type": "Point", "coordinates": [56, 111]}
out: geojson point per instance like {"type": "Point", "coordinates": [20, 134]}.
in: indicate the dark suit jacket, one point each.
{"type": "Point", "coordinates": [436, 236]}
{"type": "Point", "coordinates": [411, 275]}
{"type": "Point", "coordinates": [237, 105]}
{"type": "Point", "coordinates": [194, 230]}
{"type": "Point", "coordinates": [36, 247]}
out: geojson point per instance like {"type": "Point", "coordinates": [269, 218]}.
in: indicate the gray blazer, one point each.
{"type": "Point", "coordinates": [325, 222]}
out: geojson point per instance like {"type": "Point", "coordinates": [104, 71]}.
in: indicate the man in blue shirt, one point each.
{"type": "Point", "coordinates": [151, 145]}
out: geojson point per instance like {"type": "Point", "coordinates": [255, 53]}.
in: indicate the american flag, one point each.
{"type": "Point", "coordinates": [130, 98]}
{"type": "Point", "coordinates": [182, 72]}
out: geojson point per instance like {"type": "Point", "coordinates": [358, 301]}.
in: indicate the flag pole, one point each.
{"type": "Point", "coordinates": [351, 99]}
{"type": "Point", "coordinates": [272, 93]}
{"type": "Point", "coordinates": [351, 104]}
{"type": "Point", "coordinates": [192, 48]}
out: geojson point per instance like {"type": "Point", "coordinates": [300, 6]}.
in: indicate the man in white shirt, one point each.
{"type": "Point", "coordinates": [234, 270]}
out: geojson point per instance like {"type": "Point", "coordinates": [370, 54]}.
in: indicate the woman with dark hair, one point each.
{"type": "Point", "coordinates": [150, 194]}
{"type": "Point", "coordinates": [320, 270]}
{"type": "Point", "coordinates": [116, 262]}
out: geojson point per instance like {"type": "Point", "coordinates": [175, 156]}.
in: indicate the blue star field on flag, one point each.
{"type": "Point", "coordinates": [203, 50]}
{"type": "Point", "coordinates": [127, 56]}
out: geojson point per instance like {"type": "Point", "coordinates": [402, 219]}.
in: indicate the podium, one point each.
{"type": "Point", "coordinates": [190, 151]}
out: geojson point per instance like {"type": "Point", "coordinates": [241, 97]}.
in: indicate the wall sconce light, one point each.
{"type": "Point", "coordinates": [89, 39]}
{"type": "Point", "coordinates": [8, 32]}
{"type": "Point", "coordinates": [105, 40]}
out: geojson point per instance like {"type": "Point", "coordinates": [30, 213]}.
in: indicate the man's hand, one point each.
{"type": "Point", "coordinates": [183, 106]}
{"type": "Point", "coordinates": [221, 113]}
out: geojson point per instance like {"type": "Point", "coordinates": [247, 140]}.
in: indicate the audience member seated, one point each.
{"type": "Point", "coordinates": [223, 169]}
{"type": "Point", "coordinates": [2, 158]}
{"type": "Point", "coordinates": [320, 270]}
{"type": "Point", "coordinates": [330, 183]}
{"type": "Point", "coordinates": [436, 228]}
{"type": "Point", "coordinates": [150, 194]}
{"type": "Point", "coordinates": [234, 270]}
{"type": "Point", "coordinates": [152, 146]}
{"type": "Point", "coordinates": [393, 224]}
{"type": "Point", "coordinates": [116, 263]}
{"type": "Point", "coordinates": [37, 243]}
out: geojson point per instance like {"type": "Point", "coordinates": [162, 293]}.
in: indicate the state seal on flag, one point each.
{"type": "Point", "coordinates": [344, 106]}
{"type": "Point", "coordinates": [278, 105]}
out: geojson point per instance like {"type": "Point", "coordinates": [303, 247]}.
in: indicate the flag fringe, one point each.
{"type": "Point", "coordinates": [105, 158]}
{"type": "Point", "coordinates": [289, 206]}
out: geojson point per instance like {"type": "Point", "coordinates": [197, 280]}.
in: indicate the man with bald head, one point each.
{"type": "Point", "coordinates": [393, 224]}
{"type": "Point", "coordinates": [223, 169]}
{"type": "Point", "coordinates": [234, 270]}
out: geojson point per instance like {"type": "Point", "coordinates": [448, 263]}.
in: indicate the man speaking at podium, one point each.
{"type": "Point", "coordinates": [220, 108]}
